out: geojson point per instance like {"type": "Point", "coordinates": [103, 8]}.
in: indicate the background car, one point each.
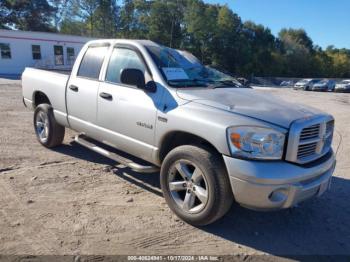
{"type": "Point", "coordinates": [324, 85]}
{"type": "Point", "coordinates": [286, 83]}
{"type": "Point", "coordinates": [245, 82]}
{"type": "Point", "coordinates": [343, 86]}
{"type": "Point", "coordinates": [305, 84]}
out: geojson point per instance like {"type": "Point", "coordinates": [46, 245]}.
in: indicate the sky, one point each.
{"type": "Point", "coordinates": [327, 22]}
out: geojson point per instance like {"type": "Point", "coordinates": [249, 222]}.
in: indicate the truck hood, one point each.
{"type": "Point", "coordinates": [251, 103]}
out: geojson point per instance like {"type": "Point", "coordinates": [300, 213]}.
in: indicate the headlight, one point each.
{"type": "Point", "coordinates": [255, 142]}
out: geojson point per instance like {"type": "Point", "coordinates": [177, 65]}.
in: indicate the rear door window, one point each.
{"type": "Point", "coordinates": [92, 61]}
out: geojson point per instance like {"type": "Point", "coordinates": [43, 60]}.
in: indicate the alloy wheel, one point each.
{"type": "Point", "coordinates": [42, 126]}
{"type": "Point", "coordinates": [188, 186]}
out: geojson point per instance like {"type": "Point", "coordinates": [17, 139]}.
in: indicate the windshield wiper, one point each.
{"type": "Point", "coordinates": [196, 82]}
{"type": "Point", "coordinates": [226, 83]}
{"type": "Point", "coordinates": [187, 83]}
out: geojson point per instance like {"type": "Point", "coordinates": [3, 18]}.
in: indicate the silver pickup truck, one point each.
{"type": "Point", "coordinates": [213, 140]}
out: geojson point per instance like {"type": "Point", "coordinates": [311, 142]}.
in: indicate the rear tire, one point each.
{"type": "Point", "coordinates": [48, 132]}
{"type": "Point", "coordinates": [195, 184]}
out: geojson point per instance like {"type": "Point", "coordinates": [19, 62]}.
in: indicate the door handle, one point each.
{"type": "Point", "coordinates": [74, 88]}
{"type": "Point", "coordinates": [106, 96]}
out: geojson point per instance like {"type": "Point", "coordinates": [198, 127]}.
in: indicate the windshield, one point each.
{"type": "Point", "coordinates": [304, 81]}
{"type": "Point", "coordinates": [345, 82]}
{"type": "Point", "coordinates": [182, 69]}
{"type": "Point", "coordinates": [323, 82]}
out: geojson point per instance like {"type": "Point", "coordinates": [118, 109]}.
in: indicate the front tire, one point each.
{"type": "Point", "coordinates": [195, 184]}
{"type": "Point", "coordinates": [48, 132]}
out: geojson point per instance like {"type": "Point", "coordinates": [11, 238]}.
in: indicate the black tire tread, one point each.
{"type": "Point", "coordinates": [214, 163]}
{"type": "Point", "coordinates": [56, 131]}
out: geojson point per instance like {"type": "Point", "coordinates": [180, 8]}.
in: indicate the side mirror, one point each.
{"type": "Point", "coordinates": [136, 77]}
{"type": "Point", "coordinates": [133, 77]}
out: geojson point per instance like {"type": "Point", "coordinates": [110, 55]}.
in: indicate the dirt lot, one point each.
{"type": "Point", "coordinates": [72, 201]}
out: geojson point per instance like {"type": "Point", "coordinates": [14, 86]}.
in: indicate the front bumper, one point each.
{"type": "Point", "coordinates": [276, 185]}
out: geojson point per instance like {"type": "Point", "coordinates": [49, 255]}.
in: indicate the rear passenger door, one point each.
{"type": "Point", "coordinates": [82, 91]}
{"type": "Point", "coordinates": [128, 115]}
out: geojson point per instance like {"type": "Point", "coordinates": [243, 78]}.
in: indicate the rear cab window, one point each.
{"type": "Point", "coordinates": [92, 61]}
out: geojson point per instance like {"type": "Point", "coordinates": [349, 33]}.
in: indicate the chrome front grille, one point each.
{"type": "Point", "coordinates": [310, 139]}
{"type": "Point", "coordinates": [310, 132]}
{"type": "Point", "coordinates": [306, 150]}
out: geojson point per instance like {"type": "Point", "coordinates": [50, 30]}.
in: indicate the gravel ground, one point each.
{"type": "Point", "coordinates": [73, 201]}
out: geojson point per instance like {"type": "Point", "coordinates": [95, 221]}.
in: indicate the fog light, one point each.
{"type": "Point", "coordinates": [279, 195]}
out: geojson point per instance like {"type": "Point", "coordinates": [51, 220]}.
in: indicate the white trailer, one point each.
{"type": "Point", "coordinates": [20, 49]}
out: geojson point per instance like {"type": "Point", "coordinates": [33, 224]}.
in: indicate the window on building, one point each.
{"type": "Point", "coordinates": [5, 51]}
{"type": "Point", "coordinates": [58, 51]}
{"type": "Point", "coordinates": [122, 58]}
{"type": "Point", "coordinates": [92, 62]}
{"type": "Point", "coordinates": [36, 52]}
{"type": "Point", "coordinates": [70, 55]}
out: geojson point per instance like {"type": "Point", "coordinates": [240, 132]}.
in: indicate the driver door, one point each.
{"type": "Point", "coordinates": [126, 114]}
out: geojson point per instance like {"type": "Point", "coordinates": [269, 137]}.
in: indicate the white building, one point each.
{"type": "Point", "coordinates": [20, 49]}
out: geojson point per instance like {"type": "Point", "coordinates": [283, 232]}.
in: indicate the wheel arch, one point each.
{"type": "Point", "coordinates": [174, 139]}
{"type": "Point", "coordinates": [40, 97]}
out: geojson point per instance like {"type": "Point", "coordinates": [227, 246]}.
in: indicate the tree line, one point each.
{"type": "Point", "coordinates": [212, 32]}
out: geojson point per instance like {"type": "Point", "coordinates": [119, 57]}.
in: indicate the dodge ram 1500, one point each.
{"type": "Point", "coordinates": [213, 140]}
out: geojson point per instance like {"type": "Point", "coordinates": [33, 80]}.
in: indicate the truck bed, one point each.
{"type": "Point", "coordinates": [52, 84]}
